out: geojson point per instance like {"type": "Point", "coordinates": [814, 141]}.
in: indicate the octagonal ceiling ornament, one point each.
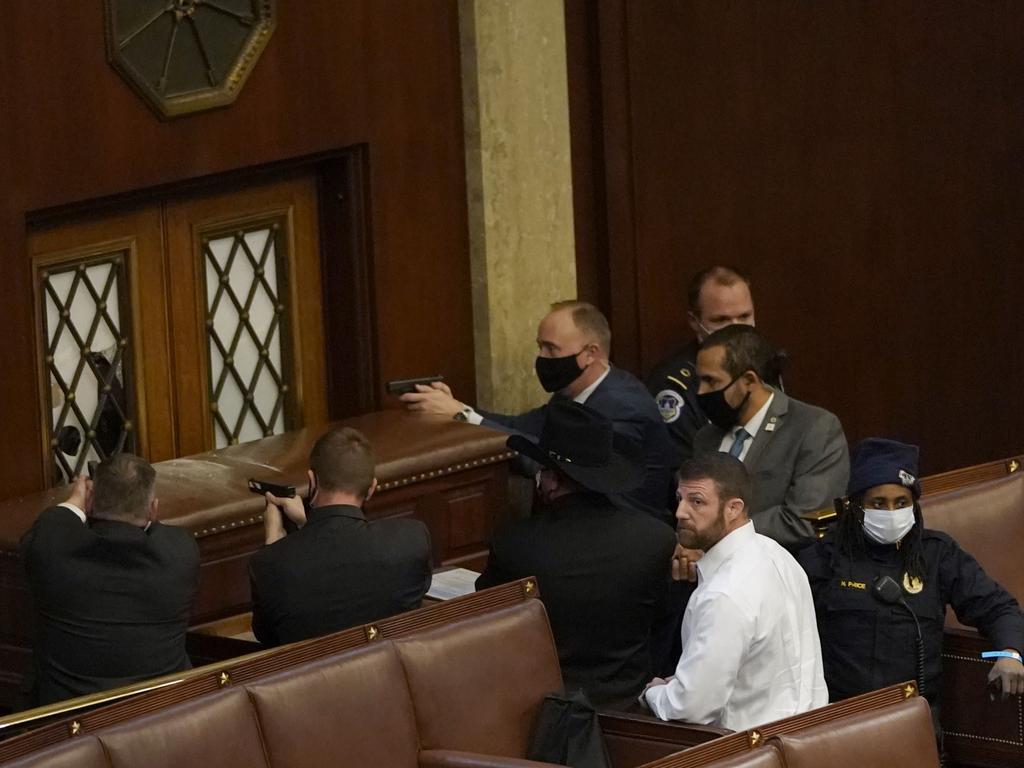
{"type": "Point", "coordinates": [184, 56]}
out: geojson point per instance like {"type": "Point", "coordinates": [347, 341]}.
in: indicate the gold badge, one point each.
{"type": "Point", "coordinates": [912, 585]}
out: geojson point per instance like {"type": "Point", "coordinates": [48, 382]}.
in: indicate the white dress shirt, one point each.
{"type": "Point", "coordinates": [752, 428]}
{"type": "Point", "coordinates": [751, 653]}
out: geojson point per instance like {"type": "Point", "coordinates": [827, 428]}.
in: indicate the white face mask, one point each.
{"type": "Point", "coordinates": [888, 526]}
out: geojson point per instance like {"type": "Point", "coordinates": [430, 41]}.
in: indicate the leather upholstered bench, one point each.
{"type": "Point", "coordinates": [452, 684]}
{"type": "Point", "coordinates": [884, 728]}
{"type": "Point", "coordinates": [982, 508]}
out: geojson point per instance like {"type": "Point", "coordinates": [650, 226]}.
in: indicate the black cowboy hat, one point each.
{"type": "Point", "coordinates": [581, 443]}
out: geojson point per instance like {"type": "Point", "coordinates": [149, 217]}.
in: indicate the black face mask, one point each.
{"type": "Point", "coordinates": [557, 373]}
{"type": "Point", "coordinates": [718, 410]}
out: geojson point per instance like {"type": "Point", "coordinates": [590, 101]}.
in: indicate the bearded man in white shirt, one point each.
{"type": "Point", "coordinates": [751, 653]}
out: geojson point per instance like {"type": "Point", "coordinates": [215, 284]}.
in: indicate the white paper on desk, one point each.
{"type": "Point", "coordinates": [452, 583]}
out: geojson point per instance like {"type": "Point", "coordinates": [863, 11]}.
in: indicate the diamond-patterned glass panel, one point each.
{"type": "Point", "coordinates": [245, 286]}
{"type": "Point", "coordinates": [87, 362]}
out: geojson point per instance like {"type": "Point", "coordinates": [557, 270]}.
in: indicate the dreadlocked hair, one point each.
{"type": "Point", "coordinates": [851, 542]}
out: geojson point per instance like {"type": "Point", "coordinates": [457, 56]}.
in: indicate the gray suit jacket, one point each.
{"type": "Point", "coordinates": [800, 465]}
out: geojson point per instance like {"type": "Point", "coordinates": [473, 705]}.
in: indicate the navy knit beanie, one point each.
{"type": "Point", "coordinates": [877, 461]}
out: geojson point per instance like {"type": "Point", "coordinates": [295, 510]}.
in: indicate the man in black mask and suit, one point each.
{"type": "Point", "coordinates": [796, 453]}
{"type": "Point", "coordinates": [573, 342]}
{"type": "Point", "coordinates": [112, 588]}
{"type": "Point", "coordinates": [601, 569]}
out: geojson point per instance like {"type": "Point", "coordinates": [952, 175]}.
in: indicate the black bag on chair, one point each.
{"type": "Point", "coordinates": [567, 732]}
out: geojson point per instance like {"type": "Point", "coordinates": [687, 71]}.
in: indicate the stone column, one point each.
{"type": "Point", "coordinates": [519, 185]}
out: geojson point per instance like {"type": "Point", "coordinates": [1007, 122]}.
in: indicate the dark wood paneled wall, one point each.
{"type": "Point", "coordinates": [335, 74]}
{"type": "Point", "coordinates": [863, 161]}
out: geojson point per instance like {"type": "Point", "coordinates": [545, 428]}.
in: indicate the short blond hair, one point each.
{"type": "Point", "coordinates": [590, 320]}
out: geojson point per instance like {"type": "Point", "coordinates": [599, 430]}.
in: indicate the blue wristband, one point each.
{"type": "Point", "coordinates": [1000, 655]}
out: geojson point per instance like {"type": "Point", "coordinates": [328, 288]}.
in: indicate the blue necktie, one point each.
{"type": "Point", "coordinates": [738, 439]}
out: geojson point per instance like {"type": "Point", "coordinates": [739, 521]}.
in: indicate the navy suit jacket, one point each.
{"type": "Point", "coordinates": [625, 400]}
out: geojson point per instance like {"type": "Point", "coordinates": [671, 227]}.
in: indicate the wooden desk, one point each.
{"type": "Point", "coordinates": [450, 475]}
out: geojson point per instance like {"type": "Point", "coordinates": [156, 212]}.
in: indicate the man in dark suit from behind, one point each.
{"type": "Point", "coordinates": [601, 569]}
{"type": "Point", "coordinates": [112, 588]}
{"type": "Point", "coordinates": [573, 345]}
{"type": "Point", "coordinates": [338, 570]}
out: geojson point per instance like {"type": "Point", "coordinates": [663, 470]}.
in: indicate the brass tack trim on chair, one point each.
{"type": "Point", "coordinates": [909, 690]}
{"type": "Point", "coordinates": [372, 633]}
{"type": "Point", "coordinates": [529, 586]}
{"type": "Point", "coordinates": [75, 728]}
{"type": "Point", "coordinates": [755, 738]}
{"type": "Point", "coordinates": [223, 679]}
{"type": "Point", "coordinates": [1012, 466]}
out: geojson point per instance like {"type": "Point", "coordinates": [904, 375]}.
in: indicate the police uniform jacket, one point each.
{"type": "Point", "coordinates": [674, 386]}
{"type": "Point", "coordinates": [867, 645]}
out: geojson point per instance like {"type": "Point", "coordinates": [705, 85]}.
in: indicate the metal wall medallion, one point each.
{"type": "Point", "coordinates": [186, 56]}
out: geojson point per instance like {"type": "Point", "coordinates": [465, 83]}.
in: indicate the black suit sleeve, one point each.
{"type": "Point", "coordinates": [262, 625]}
{"type": "Point", "coordinates": [494, 574]}
{"type": "Point", "coordinates": [60, 522]}
{"type": "Point", "coordinates": [427, 560]}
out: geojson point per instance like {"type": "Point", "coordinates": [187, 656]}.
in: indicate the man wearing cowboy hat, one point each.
{"type": "Point", "coordinates": [601, 569]}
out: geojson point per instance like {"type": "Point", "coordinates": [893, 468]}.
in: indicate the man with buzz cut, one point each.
{"type": "Point", "coordinates": [750, 652]}
{"type": "Point", "coordinates": [338, 570]}
{"type": "Point", "coordinates": [573, 345]}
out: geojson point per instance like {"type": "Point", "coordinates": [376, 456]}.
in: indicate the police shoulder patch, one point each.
{"type": "Point", "coordinates": [670, 404]}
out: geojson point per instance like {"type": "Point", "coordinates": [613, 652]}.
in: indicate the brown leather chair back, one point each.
{"type": "Point", "coordinates": [85, 752]}
{"type": "Point", "coordinates": [335, 715]}
{"type": "Point", "coordinates": [900, 734]}
{"type": "Point", "coordinates": [476, 685]}
{"type": "Point", "coordinates": [764, 757]}
{"type": "Point", "coordinates": [986, 519]}
{"type": "Point", "coordinates": [739, 755]}
{"type": "Point", "coordinates": [216, 730]}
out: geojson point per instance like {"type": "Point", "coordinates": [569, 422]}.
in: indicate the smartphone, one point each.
{"type": "Point", "coordinates": [404, 386]}
{"type": "Point", "coordinates": [263, 487]}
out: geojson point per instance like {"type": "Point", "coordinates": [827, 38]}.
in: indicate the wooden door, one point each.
{"type": "Point", "coordinates": [179, 325]}
{"type": "Point", "coordinates": [245, 308]}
